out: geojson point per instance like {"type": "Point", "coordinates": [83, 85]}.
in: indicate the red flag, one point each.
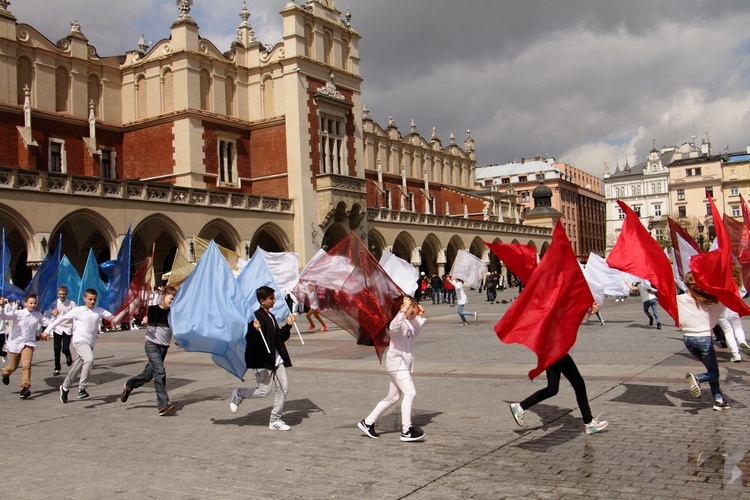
{"type": "Point", "coordinates": [546, 316]}
{"type": "Point", "coordinates": [713, 270]}
{"type": "Point", "coordinates": [744, 246]}
{"type": "Point", "coordinates": [682, 243]}
{"type": "Point", "coordinates": [353, 291]}
{"type": "Point", "coordinates": [637, 253]}
{"type": "Point", "coordinates": [135, 304]}
{"type": "Point", "coordinates": [520, 259]}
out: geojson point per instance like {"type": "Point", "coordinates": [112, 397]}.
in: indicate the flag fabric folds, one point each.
{"type": "Point", "coordinates": [8, 290]}
{"type": "Point", "coordinates": [181, 269]}
{"type": "Point", "coordinates": [258, 273]}
{"type": "Point", "coordinates": [469, 268]}
{"type": "Point", "coordinates": [232, 258]}
{"type": "Point", "coordinates": [44, 282]}
{"type": "Point", "coordinates": [118, 276]}
{"type": "Point", "coordinates": [90, 279]}
{"type": "Point", "coordinates": [546, 316]}
{"type": "Point", "coordinates": [683, 245]}
{"type": "Point", "coordinates": [401, 272]}
{"type": "Point", "coordinates": [520, 259]}
{"type": "Point", "coordinates": [637, 253]}
{"type": "Point", "coordinates": [210, 313]}
{"type": "Point", "coordinates": [135, 303]}
{"type": "Point", "coordinates": [713, 270]}
{"type": "Point", "coordinates": [68, 276]}
{"type": "Point", "coordinates": [284, 267]}
{"type": "Point", "coordinates": [603, 280]}
{"type": "Point", "coordinates": [353, 291]}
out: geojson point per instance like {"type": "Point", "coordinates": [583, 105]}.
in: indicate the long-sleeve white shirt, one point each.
{"type": "Point", "coordinates": [400, 354]}
{"type": "Point", "coordinates": [85, 323]}
{"type": "Point", "coordinates": [25, 326]}
{"type": "Point", "coordinates": [461, 298]}
{"type": "Point", "coordinates": [697, 321]}
{"type": "Point", "coordinates": [62, 309]}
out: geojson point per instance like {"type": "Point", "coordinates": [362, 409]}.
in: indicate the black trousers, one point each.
{"type": "Point", "coordinates": [61, 343]}
{"type": "Point", "coordinates": [567, 367]}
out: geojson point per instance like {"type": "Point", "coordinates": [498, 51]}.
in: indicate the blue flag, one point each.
{"type": "Point", "coordinates": [7, 290]}
{"type": "Point", "coordinates": [44, 282]}
{"type": "Point", "coordinates": [210, 313]}
{"type": "Point", "coordinates": [118, 277]}
{"type": "Point", "coordinates": [257, 273]}
{"type": "Point", "coordinates": [90, 279]}
{"type": "Point", "coordinates": [68, 276]}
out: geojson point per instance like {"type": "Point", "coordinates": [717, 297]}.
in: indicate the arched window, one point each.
{"type": "Point", "coordinates": [309, 39]}
{"type": "Point", "coordinates": [229, 93]}
{"type": "Point", "coordinates": [23, 77]}
{"type": "Point", "coordinates": [61, 89]}
{"type": "Point", "coordinates": [167, 92]}
{"type": "Point", "coordinates": [205, 90]}
{"type": "Point", "coordinates": [328, 47]}
{"type": "Point", "coordinates": [94, 94]}
{"type": "Point", "coordinates": [141, 97]}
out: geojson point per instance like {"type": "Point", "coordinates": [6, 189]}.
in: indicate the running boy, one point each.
{"type": "Point", "coordinates": [400, 364]}
{"type": "Point", "coordinates": [158, 338]}
{"type": "Point", "coordinates": [269, 367]}
{"type": "Point", "coordinates": [61, 333]}
{"type": "Point", "coordinates": [21, 343]}
{"type": "Point", "coordinates": [86, 320]}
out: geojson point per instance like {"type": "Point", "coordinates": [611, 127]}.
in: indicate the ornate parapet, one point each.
{"type": "Point", "coordinates": [78, 185]}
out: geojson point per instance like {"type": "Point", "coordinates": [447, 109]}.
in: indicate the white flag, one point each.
{"type": "Point", "coordinates": [401, 272]}
{"type": "Point", "coordinates": [469, 268]}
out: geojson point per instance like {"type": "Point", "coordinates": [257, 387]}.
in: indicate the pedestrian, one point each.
{"type": "Point", "coordinates": [594, 309]}
{"type": "Point", "coordinates": [564, 366]}
{"type": "Point", "coordinates": [436, 285]}
{"type": "Point", "coordinates": [312, 298]}
{"type": "Point", "coordinates": [399, 362]}
{"type": "Point", "coordinates": [699, 311]}
{"type": "Point", "coordinates": [86, 325]}
{"type": "Point", "coordinates": [21, 341]}
{"type": "Point", "coordinates": [264, 335]}
{"type": "Point", "coordinates": [158, 339]}
{"type": "Point", "coordinates": [61, 333]}
{"type": "Point", "coordinates": [450, 291]}
{"type": "Point", "coordinates": [648, 297]}
{"type": "Point", "coordinates": [731, 324]}
{"type": "Point", "coordinates": [490, 287]}
{"type": "Point", "coordinates": [461, 300]}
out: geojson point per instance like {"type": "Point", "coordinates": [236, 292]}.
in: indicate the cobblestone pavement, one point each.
{"type": "Point", "coordinates": [661, 442]}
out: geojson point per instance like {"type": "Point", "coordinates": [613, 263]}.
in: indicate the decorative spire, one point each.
{"type": "Point", "coordinates": [75, 28]}
{"type": "Point", "coordinates": [366, 113]}
{"type": "Point", "coordinates": [348, 18]}
{"type": "Point", "coordinates": [184, 7]}
{"type": "Point", "coordinates": [453, 139]}
{"type": "Point", "coordinates": [245, 26]}
{"type": "Point", "coordinates": [143, 45]}
{"type": "Point", "coordinates": [244, 15]}
{"type": "Point", "coordinates": [4, 4]}
{"type": "Point", "coordinates": [413, 126]}
{"type": "Point", "coordinates": [434, 134]}
{"type": "Point", "coordinates": [92, 120]}
{"type": "Point", "coordinates": [26, 106]}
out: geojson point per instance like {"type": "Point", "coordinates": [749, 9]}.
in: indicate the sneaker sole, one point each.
{"type": "Point", "coordinates": [745, 348]}
{"type": "Point", "coordinates": [518, 420]}
{"type": "Point", "coordinates": [594, 431]}
{"type": "Point", "coordinates": [366, 431]}
{"type": "Point", "coordinates": [411, 440]}
{"type": "Point", "coordinates": [63, 396]}
{"type": "Point", "coordinates": [167, 410]}
{"type": "Point", "coordinates": [695, 389]}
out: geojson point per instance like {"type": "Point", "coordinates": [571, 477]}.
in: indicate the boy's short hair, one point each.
{"type": "Point", "coordinates": [169, 290]}
{"type": "Point", "coordinates": [30, 296]}
{"type": "Point", "coordinates": [62, 288]}
{"type": "Point", "coordinates": [91, 291]}
{"type": "Point", "coordinates": [264, 292]}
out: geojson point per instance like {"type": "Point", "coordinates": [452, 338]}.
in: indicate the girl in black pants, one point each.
{"type": "Point", "coordinates": [567, 367]}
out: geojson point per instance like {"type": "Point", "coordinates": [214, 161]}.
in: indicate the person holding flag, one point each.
{"type": "Point", "coordinates": [21, 342]}
{"type": "Point", "coordinates": [399, 362]}
{"type": "Point", "coordinates": [461, 300]}
{"type": "Point", "coordinates": [699, 312]}
{"type": "Point", "coordinates": [267, 356]}
{"type": "Point", "coordinates": [648, 297]}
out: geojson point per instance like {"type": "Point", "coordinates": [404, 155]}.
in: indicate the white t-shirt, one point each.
{"type": "Point", "coordinates": [460, 294]}
{"type": "Point", "coordinates": [63, 308]}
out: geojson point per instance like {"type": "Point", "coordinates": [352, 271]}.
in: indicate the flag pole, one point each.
{"type": "Point", "coordinates": [264, 340]}
{"type": "Point", "coordinates": [298, 333]}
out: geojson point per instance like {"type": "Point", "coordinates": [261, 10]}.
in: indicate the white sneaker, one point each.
{"type": "Point", "coordinates": [517, 411]}
{"type": "Point", "coordinates": [595, 426]}
{"type": "Point", "coordinates": [736, 358]}
{"type": "Point", "coordinates": [476, 316]}
{"type": "Point", "coordinates": [695, 388]}
{"type": "Point", "coordinates": [234, 403]}
{"type": "Point", "coordinates": [279, 425]}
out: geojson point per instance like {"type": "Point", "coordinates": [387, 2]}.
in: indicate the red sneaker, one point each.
{"type": "Point", "coordinates": [311, 327]}
{"type": "Point", "coordinates": [324, 328]}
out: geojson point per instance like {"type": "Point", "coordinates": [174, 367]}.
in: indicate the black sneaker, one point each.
{"type": "Point", "coordinates": [56, 372]}
{"type": "Point", "coordinates": [63, 395]}
{"type": "Point", "coordinates": [658, 326]}
{"type": "Point", "coordinates": [82, 394]}
{"type": "Point", "coordinates": [650, 321]}
{"type": "Point", "coordinates": [165, 410]}
{"type": "Point", "coordinates": [413, 434]}
{"type": "Point", "coordinates": [6, 379]}
{"type": "Point", "coordinates": [125, 393]}
{"type": "Point", "coordinates": [25, 393]}
{"type": "Point", "coordinates": [368, 429]}
{"type": "Point", "coordinates": [68, 360]}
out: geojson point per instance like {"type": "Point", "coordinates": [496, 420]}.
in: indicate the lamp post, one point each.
{"type": "Point", "coordinates": [701, 227]}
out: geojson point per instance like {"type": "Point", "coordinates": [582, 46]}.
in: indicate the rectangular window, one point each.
{"type": "Point", "coordinates": [387, 199]}
{"type": "Point", "coordinates": [227, 155]}
{"type": "Point", "coordinates": [657, 210]}
{"type": "Point", "coordinates": [708, 209]}
{"type": "Point", "coordinates": [522, 178]}
{"type": "Point", "coordinates": [734, 190]}
{"type": "Point", "coordinates": [680, 195]}
{"type": "Point", "coordinates": [682, 211]}
{"type": "Point", "coordinates": [736, 212]}
{"type": "Point", "coordinates": [637, 209]}
{"type": "Point", "coordinates": [620, 213]}
{"type": "Point", "coordinates": [505, 180]}
{"type": "Point", "coordinates": [412, 208]}
{"type": "Point", "coordinates": [57, 156]}
{"type": "Point", "coordinates": [332, 140]}
{"type": "Point", "coordinates": [710, 191]}
{"type": "Point", "coordinates": [107, 164]}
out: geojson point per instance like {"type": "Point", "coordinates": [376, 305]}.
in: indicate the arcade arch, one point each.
{"type": "Point", "coordinates": [83, 230]}
{"type": "Point", "coordinates": [163, 235]}
{"type": "Point", "coordinates": [270, 238]}
{"type": "Point", "coordinates": [18, 237]}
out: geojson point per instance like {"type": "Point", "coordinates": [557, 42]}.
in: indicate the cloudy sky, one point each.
{"type": "Point", "coordinates": [585, 81]}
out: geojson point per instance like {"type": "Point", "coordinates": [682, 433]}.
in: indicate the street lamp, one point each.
{"type": "Point", "coordinates": [701, 227]}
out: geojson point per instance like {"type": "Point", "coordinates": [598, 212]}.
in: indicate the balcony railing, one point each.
{"type": "Point", "coordinates": [51, 182]}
